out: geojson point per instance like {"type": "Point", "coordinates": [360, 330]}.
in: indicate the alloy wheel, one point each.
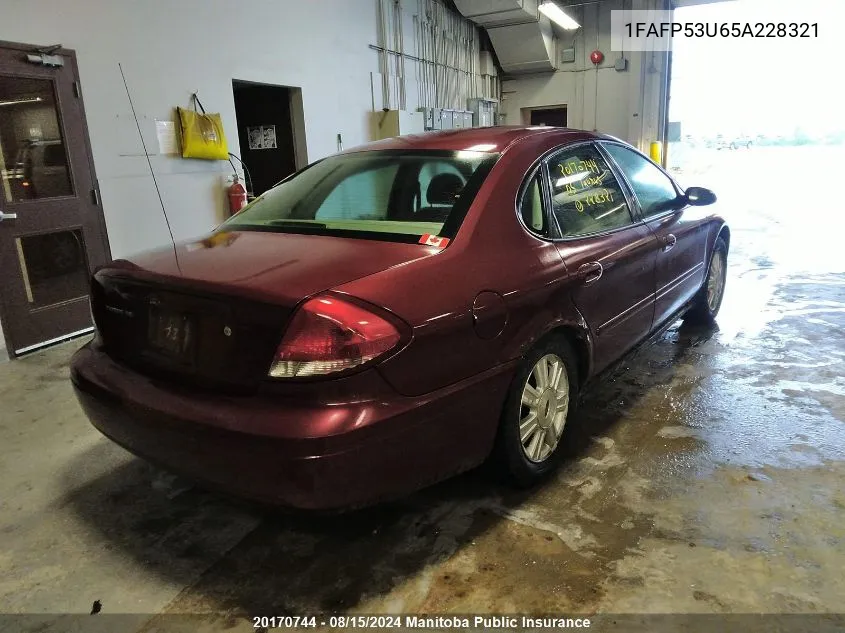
{"type": "Point", "coordinates": [716, 280]}
{"type": "Point", "coordinates": [545, 404]}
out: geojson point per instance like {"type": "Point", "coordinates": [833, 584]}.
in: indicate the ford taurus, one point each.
{"type": "Point", "coordinates": [397, 313]}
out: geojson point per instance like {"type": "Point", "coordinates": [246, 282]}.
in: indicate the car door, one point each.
{"type": "Point", "coordinates": [681, 235]}
{"type": "Point", "coordinates": [600, 241]}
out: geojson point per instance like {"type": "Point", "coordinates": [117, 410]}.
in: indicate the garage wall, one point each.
{"type": "Point", "coordinates": [169, 50]}
{"type": "Point", "coordinates": [625, 104]}
{"type": "Point", "coordinates": [431, 57]}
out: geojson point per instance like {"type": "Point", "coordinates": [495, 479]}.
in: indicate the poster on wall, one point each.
{"type": "Point", "coordinates": [168, 141]}
{"type": "Point", "coordinates": [269, 136]}
{"type": "Point", "coordinates": [262, 136]}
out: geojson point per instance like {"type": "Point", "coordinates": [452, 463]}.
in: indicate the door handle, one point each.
{"type": "Point", "coordinates": [590, 272]}
{"type": "Point", "coordinates": [669, 242]}
{"type": "Point", "coordinates": [8, 216]}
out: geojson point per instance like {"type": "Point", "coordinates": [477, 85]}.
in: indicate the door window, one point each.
{"type": "Point", "coordinates": [654, 190]}
{"type": "Point", "coordinates": [33, 162]}
{"type": "Point", "coordinates": [586, 198]}
{"type": "Point", "coordinates": [54, 267]}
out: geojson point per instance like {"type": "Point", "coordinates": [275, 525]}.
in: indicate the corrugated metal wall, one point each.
{"type": "Point", "coordinates": [429, 56]}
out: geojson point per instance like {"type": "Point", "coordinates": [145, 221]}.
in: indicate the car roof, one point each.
{"type": "Point", "coordinates": [476, 139]}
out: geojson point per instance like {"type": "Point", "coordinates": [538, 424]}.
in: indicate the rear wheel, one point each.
{"type": "Point", "coordinates": [540, 401]}
{"type": "Point", "coordinates": [709, 299]}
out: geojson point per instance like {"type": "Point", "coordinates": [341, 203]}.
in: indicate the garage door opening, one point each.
{"type": "Point", "coordinates": [271, 130]}
{"type": "Point", "coordinates": [761, 133]}
{"type": "Point", "coordinates": [752, 93]}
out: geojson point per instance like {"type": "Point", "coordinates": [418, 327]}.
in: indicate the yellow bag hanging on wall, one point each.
{"type": "Point", "coordinates": [202, 134]}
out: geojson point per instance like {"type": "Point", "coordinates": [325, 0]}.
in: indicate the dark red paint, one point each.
{"type": "Point", "coordinates": [425, 412]}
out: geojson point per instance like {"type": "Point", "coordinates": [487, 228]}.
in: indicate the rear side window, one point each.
{"type": "Point", "coordinates": [531, 207]}
{"type": "Point", "coordinates": [654, 189]}
{"type": "Point", "coordinates": [586, 198]}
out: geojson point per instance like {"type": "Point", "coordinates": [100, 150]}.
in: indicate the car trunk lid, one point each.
{"type": "Point", "coordinates": [214, 316]}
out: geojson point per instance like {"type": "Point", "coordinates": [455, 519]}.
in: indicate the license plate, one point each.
{"type": "Point", "coordinates": [172, 333]}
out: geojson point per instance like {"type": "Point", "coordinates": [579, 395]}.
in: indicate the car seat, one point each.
{"type": "Point", "coordinates": [443, 190]}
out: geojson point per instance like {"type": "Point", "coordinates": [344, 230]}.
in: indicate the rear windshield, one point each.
{"type": "Point", "coordinates": [386, 195]}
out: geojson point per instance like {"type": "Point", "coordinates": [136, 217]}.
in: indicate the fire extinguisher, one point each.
{"type": "Point", "coordinates": [237, 196]}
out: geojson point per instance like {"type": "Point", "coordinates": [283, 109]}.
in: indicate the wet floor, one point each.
{"type": "Point", "coordinates": [704, 475]}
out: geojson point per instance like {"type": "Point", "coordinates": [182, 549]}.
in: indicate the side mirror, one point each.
{"type": "Point", "coordinates": [699, 196]}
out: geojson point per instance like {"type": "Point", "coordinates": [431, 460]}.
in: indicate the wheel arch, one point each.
{"type": "Point", "coordinates": [725, 234]}
{"type": "Point", "coordinates": [579, 340]}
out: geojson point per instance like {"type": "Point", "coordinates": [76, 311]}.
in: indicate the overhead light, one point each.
{"type": "Point", "coordinates": [556, 15]}
{"type": "Point", "coordinates": [568, 180]}
{"type": "Point", "coordinates": [471, 154]}
{"type": "Point", "coordinates": [17, 101]}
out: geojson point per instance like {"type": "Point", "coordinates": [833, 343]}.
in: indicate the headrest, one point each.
{"type": "Point", "coordinates": [444, 189]}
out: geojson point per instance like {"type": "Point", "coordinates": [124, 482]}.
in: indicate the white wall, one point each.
{"type": "Point", "coordinates": [625, 104]}
{"type": "Point", "coordinates": [170, 49]}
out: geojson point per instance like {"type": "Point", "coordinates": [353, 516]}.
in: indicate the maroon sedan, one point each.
{"type": "Point", "coordinates": [395, 314]}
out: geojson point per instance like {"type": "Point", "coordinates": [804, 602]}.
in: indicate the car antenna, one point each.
{"type": "Point", "coordinates": [152, 173]}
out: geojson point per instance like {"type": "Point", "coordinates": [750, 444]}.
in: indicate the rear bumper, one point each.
{"type": "Point", "coordinates": [307, 455]}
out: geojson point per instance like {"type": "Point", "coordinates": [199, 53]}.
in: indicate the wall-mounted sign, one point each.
{"type": "Point", "coordinates": [168, 142]}
{"type": "Point", "coordinates": [262, 136]}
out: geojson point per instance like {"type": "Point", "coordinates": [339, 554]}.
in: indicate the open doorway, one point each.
{"type": "Point", "coordinates": [553, 116]}
{"type": "Point", "coordinates": [271, 129]}
{"type": "Point", "coordinates": [762, 150]}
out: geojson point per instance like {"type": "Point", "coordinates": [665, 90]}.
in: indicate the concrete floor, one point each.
{"type": "Point", "coordinates": [703, 476]}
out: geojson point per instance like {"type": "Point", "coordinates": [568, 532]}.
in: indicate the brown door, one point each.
{"type": "Point", "coordinates": [612, 255]}
{"type": "Point", "coordinates": [52, 232]}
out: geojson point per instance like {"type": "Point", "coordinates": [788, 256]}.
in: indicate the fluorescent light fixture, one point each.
{"type": "Point", "coordinates": [556, 15]}
{"type": "Point", "coordinates": [17, 101]}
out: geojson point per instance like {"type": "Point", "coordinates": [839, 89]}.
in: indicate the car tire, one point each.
{"type": "Point", "coordinates": [707, 302]}
{"type": "Point", "coordinates": [528, 453]}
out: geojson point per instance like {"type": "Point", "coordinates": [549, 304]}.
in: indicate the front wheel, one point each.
{"type": "Point", "coordinates": [540, 401]}
{"type": "Point", "coordinates": [709, 299]}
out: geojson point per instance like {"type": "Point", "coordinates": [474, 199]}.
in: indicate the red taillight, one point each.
{"type": "Point", "coordinates": [329, 335]}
